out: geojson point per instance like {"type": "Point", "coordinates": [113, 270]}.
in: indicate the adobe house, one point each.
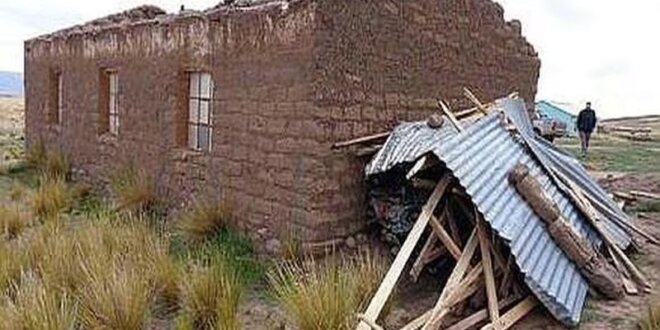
{"type": "Point", "coordinates": [244, 101]}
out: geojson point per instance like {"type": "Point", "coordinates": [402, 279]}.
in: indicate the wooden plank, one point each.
{"type": "Point", "coordinates": [481, 315]}
{"type": "Point", "coordinates": [382, 294]}
{"type": "Point", "coordinates": [444, 237]}
{"type": "Point", "coordinates": [450, 115]}
{"type": "Point", "coordinates": [643, 194]}
{"type": "Point", "coordinates": [468, 286]}
{"type": "Point", "coordinates": [416, 268]}
{"type": "Point", "coordinates": [453, 228]}
{"type": "Point", "coordinates": [372, 324]}
{"type": "Point", "coordinates": [506, 279]}
{"type": "Point", "coordinates": [468, 93]}
{"type": "Point", "coordinates": [514, 315]}
{"type": "Point", "coordinates": [360, 140]}
{"type": "Point", "coordinates": [455, 277]}
{"type": "Point", "coordinates": [419, 321]}
{"type": "Point", "coordinates": [491, 290]}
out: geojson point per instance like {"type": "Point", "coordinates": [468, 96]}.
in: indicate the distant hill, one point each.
{"type": "Point", "coordinates": [11, 83]}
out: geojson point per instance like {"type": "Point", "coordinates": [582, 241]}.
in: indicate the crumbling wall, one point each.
{"type": "Point", "coordinates": [260, 58]}
{"type": "Point", "coordinates": [379, 61]}
{"type": "Point", "coordinates": [291, 77]}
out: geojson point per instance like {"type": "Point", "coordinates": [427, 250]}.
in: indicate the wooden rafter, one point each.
{"type": "Point", "coordinates": [491, 290]}
{"type": "Point", "coordinates": [387, 285]}
{"type": "Point", "coordinates": [455, 277]}
{"type": "Point", "coordinates": [514, 315]}
{"type": "Point", "coordinates": [450, 115]}
{"type": "Point", "coordinates": [444, 237]}
{"type": "Point", "coordinates": [481, 315]}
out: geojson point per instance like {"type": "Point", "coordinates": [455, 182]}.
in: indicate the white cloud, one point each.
{"type": "Point", "coordinates": [603, 51]}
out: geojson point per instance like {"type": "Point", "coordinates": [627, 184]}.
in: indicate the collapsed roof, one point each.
{"type": "Point", "coordinates": [481, 154]}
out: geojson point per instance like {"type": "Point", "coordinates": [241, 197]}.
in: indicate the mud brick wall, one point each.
{"type": "Point", "coordinates": [378, 60]}
{"type": "Point", "coordinates": [289, 81]}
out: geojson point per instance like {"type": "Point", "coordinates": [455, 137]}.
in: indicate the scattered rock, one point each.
{"type": "Point", "coordinates": [273, 246]}
{"type": "Point", "coordinates": [351, 243]}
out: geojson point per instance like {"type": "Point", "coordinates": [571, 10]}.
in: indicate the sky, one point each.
{"type": "Point", "coordinates": [606, 52]}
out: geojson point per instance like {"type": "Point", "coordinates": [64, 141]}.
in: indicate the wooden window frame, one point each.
{"type": "Point", "coordinates": [113, 102]}
{"type": "Point", "coordinates": [199, 125]}
{"type": "Point", "coordinates": [56, 108]}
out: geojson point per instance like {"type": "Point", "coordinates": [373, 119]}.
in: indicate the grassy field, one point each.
{"type": "Point", "coordinates": [616, 154]}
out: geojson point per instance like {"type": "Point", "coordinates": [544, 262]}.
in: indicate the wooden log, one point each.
{"type": "Point", "coordinates": [385, 289]}
{"type": "Point", "coordinates": [600, 274]}
{"type": "Point", "coordinates": [584, 204]}
{"type": "Point", "coordinates": [514, 315]}
{"type": "Point", "coordinates": [360, 140]}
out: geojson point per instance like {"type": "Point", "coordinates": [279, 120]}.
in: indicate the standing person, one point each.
{"type": "Point", "coordinates": [586, 123]}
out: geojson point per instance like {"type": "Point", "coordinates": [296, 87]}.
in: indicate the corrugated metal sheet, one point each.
{"type": "Point", "coordinates": [550, 155]}
{"type": "Point", "coordinates": [481, 157]}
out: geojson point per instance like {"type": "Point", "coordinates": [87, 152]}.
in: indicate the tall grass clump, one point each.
{"type": "Point", "coordinates": [651, 321]}
{"type": "Point", "coordinates": [133, 189]}
{"type": "Point", "coordinates": [204, 220]}
{"type": "Point", "coordinates": [327, 294]}
{"type": "Point", "coordinates": [51, 163]}
{"type": "Point", "coordinates": [50, 198]}
{"type": "Point", "coordinates": [10, 266]}
{"type": "Point", "coordinates": [12, 221]}
{"type": "Point", "coordinates": [118, 300]}
{"type": "Point", "coordinates": [210, 296]}
{"type": "Point", "coordinates": [39, 307]}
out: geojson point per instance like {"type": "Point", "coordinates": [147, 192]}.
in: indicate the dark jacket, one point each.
{"type": "Point", "coordinates": [586, 121]}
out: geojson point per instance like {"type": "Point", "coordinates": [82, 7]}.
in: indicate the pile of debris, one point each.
{"type": "Point", "coordinates": [521, 222]}
{"type": "Point", "coordinates": [628, 132]}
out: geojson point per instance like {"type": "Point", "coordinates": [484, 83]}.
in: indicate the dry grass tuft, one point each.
{"type": "Point", "coordinates": [210, 296]}
{"type": "Point", "coordinates": [10, 266]}
{"type": "Point", "coordinates": [291, 247]}
{"type": "Point", "coordinates": [12, 221]}
{"type": "Point", "coordinates": [38, 307]}
{"type": "Point", "coordinates": [51, 197]}
{"type": "Point", "coordinates": [17, 192]}
{"type": "Point", "coordinates": [327, 294]}
{"type": "Point", "coordinates": [133, 189]}
{"type": "Point", "coordinates": [50, 163]}
{"type": "Point", "coordinates": [652, 320]}
{"type": "Point", "coordinates": [118, 300]}
{"type": "Point", "coordinates": [204, 220]}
